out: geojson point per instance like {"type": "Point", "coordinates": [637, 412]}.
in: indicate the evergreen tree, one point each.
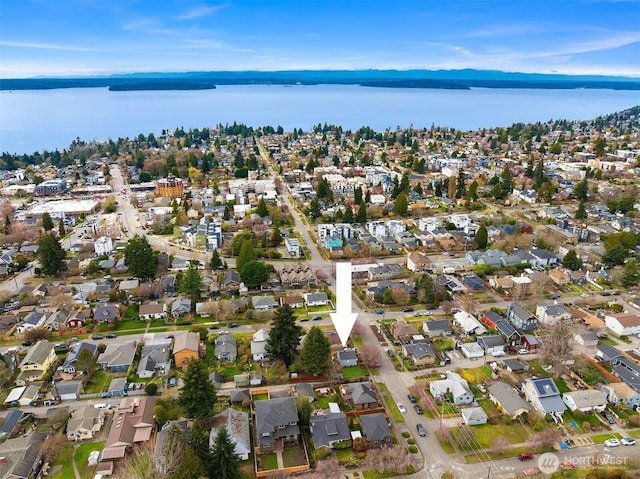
{"type": "Point", "coordinates": [395, 189]}
{"type": "Point", "coordinates": [198, 394]}
{"type": "Point", "coordinates": [324, 191]}
{"type": "Point", "coordinates": [140, 258]}
{"type": "Point", "coordinates": [315, 352]}
{"type": "Point", "coordinates": [314, 212]}
{"type": "Point", "coordinates": [246, 254]}
{"type": "Point", "coordinates": [401, 205]}
{"type": "Point", "coordinates": [572, 261]}
{"type": "Point", "coordinates": [538, 175]}
{"type": "Point", "coordinates": [472, 192]}
{"type": "Point", "coordinates": [50, 254]}
{"type": "Point", "coordinates": [418, 189]}
{"type": "Point", "coordinates": [215, 262]}
{"type": "Point", "coordinates": [262, 210]}
{"type": "Point", "coordinates": [461, 187]}
{"type": "Point", "coordinates": [348, 214]}
{"type": "Point", "coordinates": [224, 460]}
{"type": "Point", "coordinates": [631, 275]}
{"type": "Point", "coordinates": [581, 190]}
{"type": "Point", "coordinates": [581, 212]}
{"type": "Point", "coordinates": [191, 282]}
{"type": "Point", "coordinates": [404, 183]}
{"type": "Point", "coordinates": [47, 222]}
{"type": "Point", "coordinates": [61, 229]}
{"type": "Point", "coordinates": [284, 337]}
{"type": "Point", "coordinates": [361, 216]}
{"type": "Point", "coordinates": [481, 239]}
{"type": "Point", "coordinates": [506, 182]}
{"type": "Point", "coordinates": [367, 197]}
{"type": "Point", "coordinates": [438, 189]}
{"type": "Point", "coordinates": [276, 237]}
{"type": "Point", "coordinates": [357, 195]}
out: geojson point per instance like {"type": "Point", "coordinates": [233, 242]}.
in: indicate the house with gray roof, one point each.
{"type": "Point", "coordinates": [347, 357]}
{"type": "Point", "coordinates": [84, 423]}
{"type": "Point", "coordinates": [11, 421]}
{"type": "Point", "coordinates": [181, 307]}
{"type": "Point", "coordinates": [69, 365]}
{"type": "Point", "coordinates": [491, 343]}
{"type": "Point", "coordinates": [226, 347]}
{"type": "Point", "coordinates": [436, 327]}
{"type": "Point", "coordinates": [544, 395]}
{"type": "Point", "coordinates": [159, 457]}
{"type": "Point", "coordinates": [419, 352]}
{"type": "Point", "coordinates": [33, 320]}
{"type": "Point", "coordinates": [453, 386]}
{"type": "Point", "coordinates": [514, 365]}
{"type": "Point", "coordinates": [264, 303]}
{"type": "Point", "coordinates": [237, 426]}
{"type": "Point", "coordinates": [117, 357]}
{"type": "Point", "coordinates": [520, 318]}
{"type": "Point", "coordinates": [239, 396]}
{"type": "Point", "coordinates": [474, 416]}
{"type": "Point", "coordinates": [376, 429]}
{"type": "Point", "coordinates": [68, 390]}
{"type": "Point", "coordinates": [550, 313]}
{"type": "Point", "coordinates": [259, 345]}
{"type": "Point", "coordinates": [329, 429]}
{"type": "Point", "coordinates": [22, 456]}
{"type": "Point", "coordinates": [303, 389]}
{"type": "Point", "coordinates": [508, 400]}
{"type": "Point", "coordinates": [155, 358]}
{"type": "Point", "coordinates": [361, 395]}
{"type": "Point", "coordinates": [276, 420]}
{"type": "Point", "coordinates": [106, 313]}
{"type": "Point", "coordinates": [316, 299]}
{"type": "Point", "coordinates": [585, 400]}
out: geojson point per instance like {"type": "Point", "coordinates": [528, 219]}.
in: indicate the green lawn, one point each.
{"type": "Point", "coordinates": [260, 397]}
{"type": "Point", "coordinates": [64, 460]}
{"type": "Point", "coordinates": [268, 462]}
{"type": "Point", "coordinates": [322, 403]}
{"type": "Point", "coordinates": [607, 340]}
{"type": "Point", "coordinates": [353, 372]}
{"type": "Point", "coordinates": [562, 386]}
{"type": "Point", "coordinates": [446, 446]}
{"type": "Point", "coordinates": [441, 344]}
{"type": "Point", "coordinates": [82, 456]}
{"type": "Point", "coordinates": [99, 381]}
{"type": "Point", "coordinates": [486, 434]}
{"type": "Point", "coordinates": [132, 312]}
{"type": "Point", "coordinates": [393, 409]}
{"type": "Point", "coordinates": [635, 433]}
{"type": "Point", "coordinates": [294, 456]}
{"type": "Point", "coordinates": [600, 438]}
{"type": "Point", "coordinates": [131, 324]}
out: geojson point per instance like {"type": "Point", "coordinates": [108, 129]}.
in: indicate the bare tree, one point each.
{"type": "Point", "coordinates": [140, 464]}
{"type": "Point", "coordinates": [52, 446]}
{"type": "Point", "coordinates": [500, 444]}
{"type": "Point", "coordinates": [468, 303]}
{"type": "Point", "coordinates": [400, 296]}
{"type": "Point", "coordinates": [36, 334]}
{"type": "Point", "coordinates": [448, 306]}
{"type": "Point", "coordinates": [328, 468]}
{"type": "Point", "coordinates": [359, 328]}
{"type": "Point", "coordinates": [62, 301]}
{"type": "Point", "coordinates": [557, 347]}
{"type": "Point", "coordinates": [369, 355]}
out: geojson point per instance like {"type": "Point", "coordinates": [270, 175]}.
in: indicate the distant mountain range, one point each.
{"type": "Point", "coordinates": [439, 79]}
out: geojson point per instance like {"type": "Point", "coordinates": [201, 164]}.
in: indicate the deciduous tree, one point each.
{"type": "Point", "coordinates": [254, 273]}
{"type": "Point", "coordinates": [558, 347]}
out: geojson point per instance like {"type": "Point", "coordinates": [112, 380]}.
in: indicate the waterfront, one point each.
{"type": "Point", "coordinates": [33, 120]}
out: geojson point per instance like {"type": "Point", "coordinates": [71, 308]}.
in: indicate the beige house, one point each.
{"type": "Point", "coordinates": [84, 423]}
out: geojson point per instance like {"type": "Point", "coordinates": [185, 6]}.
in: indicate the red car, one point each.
{"type": "Point", "coordinates": [525, 456]}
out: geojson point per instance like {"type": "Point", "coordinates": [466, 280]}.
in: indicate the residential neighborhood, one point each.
{"type": "Point", "coordinates": [179, 294]}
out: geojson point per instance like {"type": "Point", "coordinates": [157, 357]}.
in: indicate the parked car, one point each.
{"type": "Point", "coordinates": [379, 311]}
{"type": "Point", "coordinates": [422, 432]}
{"type": "Point", "coordinates": [391, 353]}
{"type": "Point", "coordinates": [417, 408]}
{"type": "Point", "coordinates": [102, 405]}
{"type": "Point", "coordinates": [523, 351]}
{"type": "Point", "coordinates": [525, 456]}
{"type": "Point", "coordinates": [304, 319]}
{"type": "Point", "coordinates": [26, 344]}
{"type": "Point", "coordinates": [628, 441]}
{"type": "Point", "coordinates": [401, 408]}
{"type": "Point", "coordinates": [169, 336]}
{"type": "Point", "coordinates": [111, 336]}
{"type": "Point", "coordinates": [97, 337]}
{"type": "Point", "coordinates": [613, 442]}
{"type": "Point", "coordinates": [608, 416]}
{"type": "Point", "coordinates": [213, 326]}
{"type": "Point", "coordinates": [233, 325]}
{"type": "Point", "coordinates": [412, 398]}
{"type": "Point", "coordinates": [482, 389]}
{"type": "Point", "coordinates": [407, 310]}
{"type": "Point", "coordinates": [316, 318]}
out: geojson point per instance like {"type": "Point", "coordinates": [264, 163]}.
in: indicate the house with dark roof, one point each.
{"type": "Point", "coordinates": [22, 456]}
{"type": "Point", "coordinates": [507, 399]}
{"type": "Point", "coordinates": [11, 421]}
{"type": "Point", "coordinates": [303, 389]}
{"type": "Point", "coordinates": [347, 357]}
{"type": "Point", "coordinates": [419, 352]}
{"type": "Point", "coordinates": [514, 365]}
{"type": "Point", "coordinates": [155, 358]}
{"type": "Point", "coordinates": [276, 421]}
{"type": "Point", "coordinates": [69, 365]}
{"type": "Point", "coordinates": [436, 327]}
{"type": "Point", "coordinates": [510, 334]}
{"type": "Point", "coordinates": [550, 313]}
{"type": "Point", "coordinates": [226, 347]}
{"type": "Point", "coordinates": [316, 299]}
{"type": "Point", "coordinates": [627, 370]}
{"type": "Point", "coordinates": [117, 357]}
{"type": "Point", "coordinates": [541, 258]}
{"type": "Point", "coordinates": [32, 320]}
{"type": "Point", "coordinates": [237, 425]}
{"type": "Point", "coordinates": [543, 394]}
{"type": "Point", "coordinates": [181, 307]}
{"type": "Point", "coordinates": [329, 429]}
{"type": "Point", "coordinates": [453, 387]}
{"type": "Point", "coordinates": [585, 400]}
{"type": "Point", "coordinates": [361, 395]}
{"type": "Point", "coordinates": [520, 318]}
{"type": "Point", "coordinates": [376, 429]}
{"type": "Point", "coordinates": [106, 313]}
{"type": "Point", "coordinates": [606, 352]}
{"type": "Point", "coordinates": [491, 343]}
{"type": "Point", "coordinates": [239, 396]}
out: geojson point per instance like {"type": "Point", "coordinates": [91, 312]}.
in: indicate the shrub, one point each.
{"type": "Point", "coordinates": [321, 453]}
{"type": "Point", "coordinates": [413, 449]}
{"type": "Point", "coordinates": [405, 434]}
{"type": "Point", "coordinates": [634, 420]}
{"type": "Point", "coordinates": [507, 420]}
{"type": "Point", "coordinates": [151, 389]}
{"type": "Point", "coordinates": [586, 425]}
{"type": "Point", "coordinates": [411, 441]}
{"type": "Point", "coordinates": [539, 426]}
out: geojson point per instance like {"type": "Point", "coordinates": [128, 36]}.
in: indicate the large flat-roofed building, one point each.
{"type": "Point", "coordinates": [63, 208]}
{"type": "Point", "coordinates": [51, 187]}
{"type": "Point", "coordinates": [170, 187]}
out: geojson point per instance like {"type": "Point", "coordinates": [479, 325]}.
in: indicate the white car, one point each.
{"type": "Point", "coordinates": [482, 389]}
{"type": "Point", "coordinates": [401, 408]}
{"type": "Point", "coordinates": [613, 442]}
{"type": "Point", "coordinates": [523, 351]}
{"type": "Point", "coordinates": [628, 441]}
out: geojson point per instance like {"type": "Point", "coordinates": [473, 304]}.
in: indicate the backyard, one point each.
{"type": "Point", "coordinates": [294, 456]}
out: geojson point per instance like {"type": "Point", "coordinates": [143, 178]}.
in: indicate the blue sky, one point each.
{"type": "Point", "coordinates": [87, 37]}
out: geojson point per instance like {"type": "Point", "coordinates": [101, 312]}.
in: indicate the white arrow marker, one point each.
{"type": "Point", "coordinates": [343, 319]}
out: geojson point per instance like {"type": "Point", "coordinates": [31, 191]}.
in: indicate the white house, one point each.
{"type": "Point", "coordinates": [623, 323]}
{"type": "Point", "coordinates": [585, 400]}
{"type": "Point", "coordinates": [454, 385]}
{"type": "Point", "coordinates": [550, 313]}
{"type": "Point", "coordinates": [259, 345]}
{"type": "Point", "coordinates": [468, 323]}
{"type": "Point", "coordinates": [103, 245]}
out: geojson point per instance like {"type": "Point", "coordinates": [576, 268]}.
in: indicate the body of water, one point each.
{"type": "Point", "coordinates": [34, 120]}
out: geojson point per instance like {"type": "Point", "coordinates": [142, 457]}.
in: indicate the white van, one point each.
{"type": "Point", "coordinates": [102, 405]}
{"type": "Point", "coordinates": [498, 354]}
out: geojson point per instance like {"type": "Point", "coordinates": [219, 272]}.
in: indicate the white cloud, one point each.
{"type": "Point", "coordinates": [46, 46]}
{"type": "Point", "coordinates": [201, 11]}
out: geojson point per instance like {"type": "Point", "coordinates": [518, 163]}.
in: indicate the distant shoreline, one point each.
{"type": "Point", "coordinates": [421, 79]}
